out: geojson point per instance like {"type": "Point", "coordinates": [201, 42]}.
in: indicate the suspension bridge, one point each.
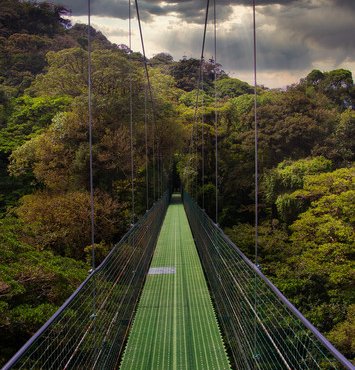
{"type": "Point", "coordinates": [176, 293]}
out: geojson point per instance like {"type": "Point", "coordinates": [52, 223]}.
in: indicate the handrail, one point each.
{"type": "Point", "coordinates": [338, 355]}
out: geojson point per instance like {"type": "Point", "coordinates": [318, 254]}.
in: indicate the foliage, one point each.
{"type": "Point", "coordinates": [306, 235]}
{"type": "Point", "coordinates": [61, 222]}
{"type": "Point", "coordinates": [161, 59]}
{"type": "Point", "coordinates": [191, 98]}
{"type": "Point", "coordinates": [33, 284]}
{"type": "Point", "coordinates": [343, 334]}
{"type": "Point", "coordinates": [345, 137]}
{"type": "Point", "coordinates": [27, 32]}
{"type": "Point", "coordinates": [29, 117]}
{"type": "Point", "coordinates": [232, 88]}
{"type": "Point", "coordinates": [340, 145]}
{"type": "Point", "coordinates": [288, 176]}
{"type": "Point", "coordinates": [313, 263]}
{"type": "Point", "coordinates": [318, 275]}
{"type": "Point", "coordinates": [338, 85]}
{"type": "Point", "coordinates": [44, 135]}
{"type": "Point", "coordinates": [33, 18]}
{"type": "Point", "coordinates": [273, 243]}
{"type": "Point", "coordinates": [187, 73]}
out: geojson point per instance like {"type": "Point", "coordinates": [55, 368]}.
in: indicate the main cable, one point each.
{"type": "Point", "coordinates": [150, 94]}
{"type": "Point", "coordinates": [200, 77]}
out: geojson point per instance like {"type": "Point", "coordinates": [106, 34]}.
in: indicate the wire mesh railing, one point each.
{"type": "Point", "coordinates": [90, 329]}
{"type": "Point", "coordinates": [262, 329]}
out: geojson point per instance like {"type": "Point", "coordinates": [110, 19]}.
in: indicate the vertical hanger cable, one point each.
{"type": "Point", "coordinates": [202, 139]}
{"type": "Point", "coordinates": [146, 149]}
{"type": "Point", "coordinates": [131, 112]}
{"type": "Point", "coordinates": [256, 174]}
{"type": "Point", "coordinates": [215, 103]}
{"type": "Point", "coordinates": [92, 207]}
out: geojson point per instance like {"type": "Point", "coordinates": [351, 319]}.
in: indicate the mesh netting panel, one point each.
{"type": "Point", "coordinates": [90, 329]}
{"type": "Point", "coordinates": [261, 328]}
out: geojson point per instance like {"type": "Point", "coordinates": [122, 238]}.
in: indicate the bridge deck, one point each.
{"type": "Point", "coordinates": [175, 325]}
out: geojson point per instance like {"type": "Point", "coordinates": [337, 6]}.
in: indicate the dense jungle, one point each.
{"type": "Point", "coordinates": [306, 159]}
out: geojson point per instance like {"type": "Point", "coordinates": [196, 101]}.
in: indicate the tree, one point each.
{"type": "Point", "coordinates": [29, 117]}
{"type": "Point", "coordinates": [161, 59]}
{"type": "Point", "coordinates": [192, 97]}
{"type": "Point", "coordinates": [61, 222]}
{"type": "Point", "coordinates": [287, 177]}
{"type": "Point", "coordinates": [79, 32]}
{"type": "Point", "coordinates": [273, 244]}
{"type": "Point", "coordinates": [186, 73]}
{"type": "Point", "coordinates": [338, 85]}
{"type": "Point", "coordinates": [232, 88]}
{"type": "Point", "coordinates": [33, 284]}
{"type": "Point", "coordinates": [41, 18]}
{"type": "Point", "coordinates": [340, 145]}
{"type": "Point", "coordinates": [318, 275]}
{"type": "Point", "coordinates": [343, 334]}
{"type": "Point", "coordinates": [314, 77]}
{"type": "Point", "coordinates": [27, 32]}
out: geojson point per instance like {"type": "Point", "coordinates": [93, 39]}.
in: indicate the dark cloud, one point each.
{"type": "Point", "coordinates": [107, 8]}
{"type": "Point", "coordinates": [189, 10]}
{"type": "Point", "coordinates": [326, 31]}
{"type": "Point", "coordinates": [292, 35]}
{"type": "Point", "coordinates": [235, 49]}
{"type": "Point", "coordinates": [345, 3]}
{"type": "Point", "coordinates": [295, 37]}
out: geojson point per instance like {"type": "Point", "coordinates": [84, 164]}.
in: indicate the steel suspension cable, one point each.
{"type": "Point", "coordinates": [131, 111]}
{"type": "Point", "coordinates": [200, 78]}
{"type": "Point", "coordinates": [202, 140]}
{"type": "Point", "coordinates": [150, 95]}
{"type": "Point", "coordinates": [202, 126]}
{"type": "Point", "coordinates": [91, 176]}
{"type": "Point", "coordinates": [146, 150]}
{"type": "Point", "coordinates": [161, 172]}
{"type": "Point", "coordinates": [91, 181]}
{"type": "Point", "coordinates": [256, 134]}
{"type": "Point", "coordinates": [158, 174]}
{"type": "Point", "coordinates": [256, 141]}
{"type": "Point", "coordinates": [145, 60]}
{"type": "Point", "coordinates": [215, 102]}
{"type": "Point", "coordinates": [154, 163]}
{"type": "Point", "coordinates": [92, 218]}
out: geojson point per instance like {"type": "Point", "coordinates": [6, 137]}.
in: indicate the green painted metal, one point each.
{"type": "Point", "coordinates": [175, 326]}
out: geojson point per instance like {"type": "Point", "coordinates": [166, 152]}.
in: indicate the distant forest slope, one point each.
{"type": "Point", "coordinates": [307, 135]}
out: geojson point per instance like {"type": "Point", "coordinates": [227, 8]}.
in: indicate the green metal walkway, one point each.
{"type": "Point", "coordinates": [175, 325]}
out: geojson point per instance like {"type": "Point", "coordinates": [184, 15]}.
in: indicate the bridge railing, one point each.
{"type": "Point", "coordinates": [261, 328]}
{"type": "Point", "coordinates": [90, 329]}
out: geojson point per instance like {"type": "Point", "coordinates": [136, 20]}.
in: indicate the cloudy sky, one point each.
{"type": "Point", "coordinates": [293, 36]}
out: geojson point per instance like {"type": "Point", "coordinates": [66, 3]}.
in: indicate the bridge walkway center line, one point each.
{"type": "Point", "coordinates": [175, 326]}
